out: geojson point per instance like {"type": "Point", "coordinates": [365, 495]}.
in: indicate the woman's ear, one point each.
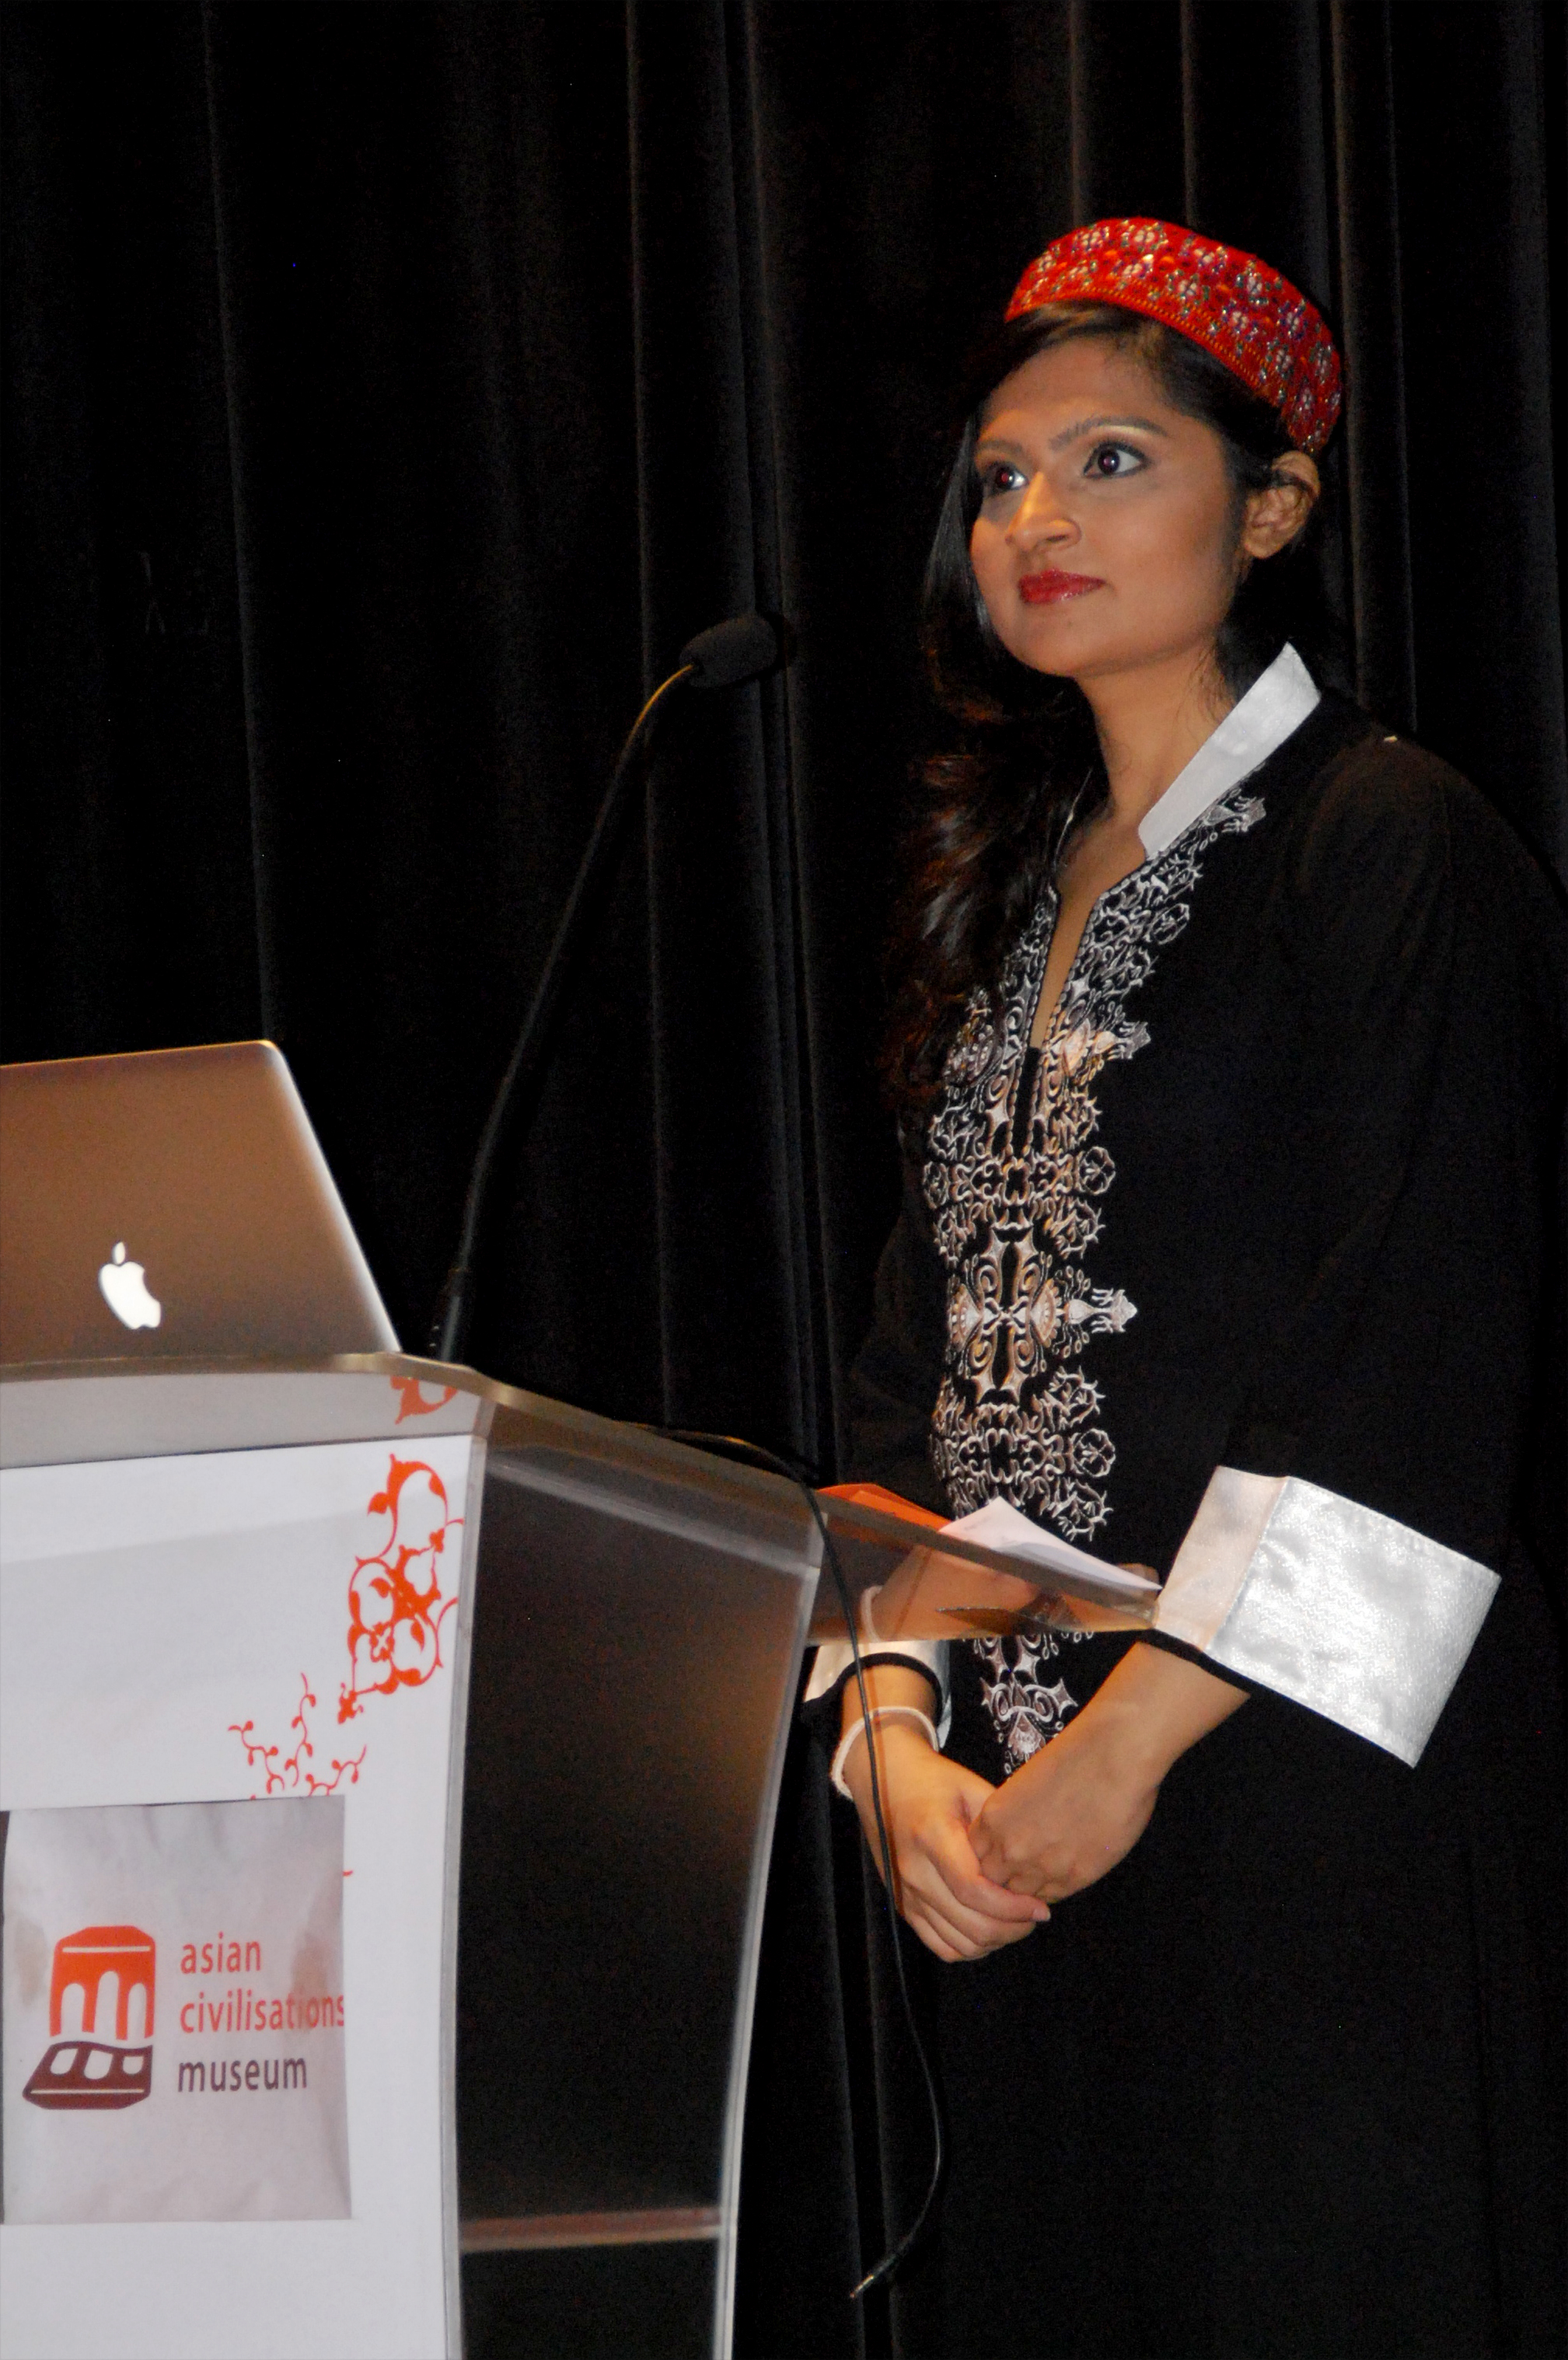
{"type": "Point", "coordinates": [1275, 515]}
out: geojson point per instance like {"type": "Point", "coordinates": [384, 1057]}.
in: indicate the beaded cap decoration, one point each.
{"type": "Point", "coordinates": [1239, 308]}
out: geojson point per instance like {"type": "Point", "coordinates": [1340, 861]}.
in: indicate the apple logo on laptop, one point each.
{"type": "Point", "coordinates": [126, 1292]}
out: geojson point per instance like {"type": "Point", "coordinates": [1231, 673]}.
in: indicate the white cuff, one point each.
{"type": "Point", "coordinates": [835, 1658]}
{"type": "Point", "coordinates": [1355, 1616]}
{"type": "Point", "coordinates": [857, 1728]}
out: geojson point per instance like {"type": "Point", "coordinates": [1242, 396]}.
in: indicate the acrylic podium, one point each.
{"type": "Point", "coordinates": [389, 1763]}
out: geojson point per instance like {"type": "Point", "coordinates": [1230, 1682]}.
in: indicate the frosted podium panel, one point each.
{"type": "Point", "coordinates": [639, 1621]}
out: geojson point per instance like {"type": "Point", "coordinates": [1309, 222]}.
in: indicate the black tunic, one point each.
{"type": "Point", "coordinates": [1288, 2081]}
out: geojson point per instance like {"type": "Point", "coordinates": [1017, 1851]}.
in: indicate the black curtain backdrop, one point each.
{"type": "Point", "coordinates": [393, 389]}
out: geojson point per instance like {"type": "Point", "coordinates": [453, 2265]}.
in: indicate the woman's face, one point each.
{"type": "Point", "coordinates": [1107, 536]}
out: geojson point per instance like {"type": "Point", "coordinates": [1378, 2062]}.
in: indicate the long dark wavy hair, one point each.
{"type": "Point", "coordinates": [1018, 759]}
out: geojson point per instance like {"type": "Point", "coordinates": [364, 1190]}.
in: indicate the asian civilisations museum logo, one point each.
{"type": "Point", "coordinates": [222, 1923]}
{"type": "Point", "coordinates": [81, 2074]}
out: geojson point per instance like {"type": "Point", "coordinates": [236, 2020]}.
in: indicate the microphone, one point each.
{"type": "Point", "coordinates": [743, 648]}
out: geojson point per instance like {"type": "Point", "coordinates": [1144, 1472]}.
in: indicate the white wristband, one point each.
{"type": "Point", "coordinates": [857, 1729]}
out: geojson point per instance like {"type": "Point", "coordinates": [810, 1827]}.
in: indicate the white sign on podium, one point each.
{"type": "Point", "coordinates": [231, 1687]}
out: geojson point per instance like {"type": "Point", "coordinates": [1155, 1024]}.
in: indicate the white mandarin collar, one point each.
{"type": "Point", "coordinates": [1274, 707]}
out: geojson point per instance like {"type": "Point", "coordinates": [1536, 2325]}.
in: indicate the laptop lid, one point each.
{"type": "Point", "coordinates": [173, 1204]}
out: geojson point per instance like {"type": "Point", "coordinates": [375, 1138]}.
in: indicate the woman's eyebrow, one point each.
{"type": "Point", "coordinates": [1002, 443]}
{"type": "Point", "coordinates": [1096, 425]}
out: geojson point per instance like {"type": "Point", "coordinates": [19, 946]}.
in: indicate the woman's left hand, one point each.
{"type": "Point", "coordinates": [1079, 1805]}
{"type": "Point", "coordinates": [1070, 1813]}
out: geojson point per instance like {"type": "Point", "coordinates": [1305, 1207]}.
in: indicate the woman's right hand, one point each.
{"type": "Point", "coordinates": [929, 1804]}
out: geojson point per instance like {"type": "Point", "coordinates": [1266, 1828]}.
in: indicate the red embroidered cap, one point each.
{"type": "Point", "coordinates": [1239, 308]}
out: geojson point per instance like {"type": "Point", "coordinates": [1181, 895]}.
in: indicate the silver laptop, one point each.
{"type": "Point", "coordinates": [174, 1204]}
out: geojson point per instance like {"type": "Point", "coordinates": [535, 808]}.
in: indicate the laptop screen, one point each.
{"type": "Point", "coordinates": [173, 1204]}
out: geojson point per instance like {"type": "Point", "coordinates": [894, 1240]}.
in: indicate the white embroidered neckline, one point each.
{"type": "Point", "coordinates": [1273, 709]}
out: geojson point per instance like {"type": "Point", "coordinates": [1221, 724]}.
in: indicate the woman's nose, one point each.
{"type": "Point", "coordinates": [1038, 519]}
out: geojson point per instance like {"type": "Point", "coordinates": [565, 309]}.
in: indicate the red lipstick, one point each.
{"type": "Point", "coordinates": [1048, 589]}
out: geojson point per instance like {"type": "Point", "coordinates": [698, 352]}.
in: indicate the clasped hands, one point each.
{"type": "Point", "coordinates": [976, 1866]}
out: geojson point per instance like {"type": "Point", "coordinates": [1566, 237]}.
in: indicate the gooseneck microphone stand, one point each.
{"type": "Point", "coordinates": [740, 649]}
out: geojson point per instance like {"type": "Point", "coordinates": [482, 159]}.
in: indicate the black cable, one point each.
{"type": "Point", "coordinates": [893, 2261]}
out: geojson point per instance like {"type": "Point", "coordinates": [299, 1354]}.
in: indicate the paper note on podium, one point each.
{"type": "Point", "coordinates": [991, 1572]}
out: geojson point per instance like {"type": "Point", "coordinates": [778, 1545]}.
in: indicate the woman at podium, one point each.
{"type": "Point", "coordinates": [1225, 1046]}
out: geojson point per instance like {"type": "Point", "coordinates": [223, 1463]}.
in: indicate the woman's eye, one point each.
{"type": "Point", "coordinates": [999, 478]}
{"type": "Point", "coordinates": [1115, 459]}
